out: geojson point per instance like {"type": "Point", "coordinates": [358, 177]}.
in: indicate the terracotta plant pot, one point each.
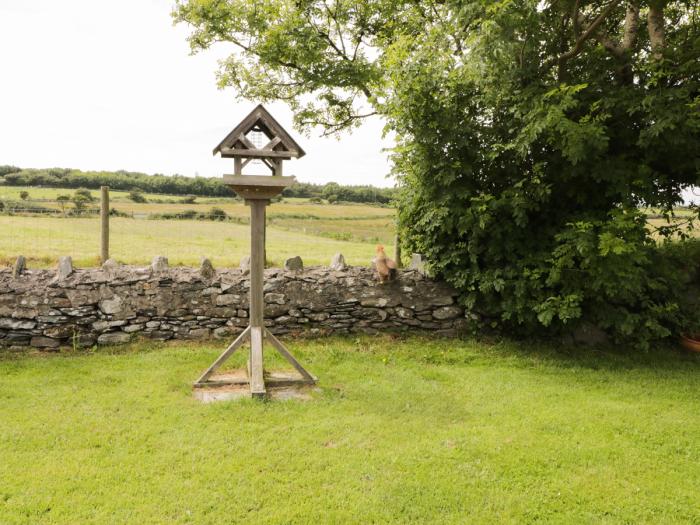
{"type": "Point", "coordinates": [691, 342]}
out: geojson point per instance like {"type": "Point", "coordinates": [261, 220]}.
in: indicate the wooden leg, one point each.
{"type": "Point", "coordinates": [225, 355]}
{"type": "Point", "coordinates": [257, 332]}
{"type": "Point", "coordinates": [257, 383]}
{"type": "Point", "coordinates": [289, 357]}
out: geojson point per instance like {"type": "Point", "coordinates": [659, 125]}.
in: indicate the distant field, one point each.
{"type": "Point", "coordinates": [655, 223]}
{"type": "Point", "coordinates": [295, 227]}
{"type": "Point", "coordinates": [158, 203]}
{"type": "Point", "coordinates": [655, 220]}
{"type": "Point", "coordinates": [50, 194]}
{"type": "Point", "coordinates": [299, 208]}
{"type": "Point", "coordinates": [43, 239]}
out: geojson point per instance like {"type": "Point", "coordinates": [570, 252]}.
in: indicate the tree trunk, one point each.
{"type": "Point", "coordinates": [655, 25]}
{"type": "Point", "coordinates": [629, 39]}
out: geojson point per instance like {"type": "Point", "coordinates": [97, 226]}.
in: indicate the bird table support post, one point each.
{"type": "Point", "coordinates": [257, 190]}
{"type": "Point", "coordinates": [104, 220]}
{"type": "Point", "coordinates": [257, 268]}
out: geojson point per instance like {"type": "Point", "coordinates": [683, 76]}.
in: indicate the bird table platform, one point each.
{"type": "Point", "coordinates": [258, 186]}
{"type": "Point", "coordinates": [244, 144]}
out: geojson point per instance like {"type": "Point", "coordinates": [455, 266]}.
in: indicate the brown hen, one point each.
{"type": "Point", "coordinates": [385, 267]}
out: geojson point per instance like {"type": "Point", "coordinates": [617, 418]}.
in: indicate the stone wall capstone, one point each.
{"type": "Point", "coordinates": [116, 303]}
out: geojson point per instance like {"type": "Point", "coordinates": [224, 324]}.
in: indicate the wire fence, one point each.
{"type": "Point", "coordinates": [186, 229]}
{"type": "Point", "coordinates": [43, 237]}
{"type": "Point", "coordinates": [42, 230]}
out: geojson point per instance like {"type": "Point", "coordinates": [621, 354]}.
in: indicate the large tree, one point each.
{"type": "Point", "coordinates": [530, 134]}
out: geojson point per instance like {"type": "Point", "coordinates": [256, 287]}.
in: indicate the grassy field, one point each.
{"type": "Point", "coordinates": [49, 194]}
{"type": "Point", "coordinates": [132, 241]}
{"type": "Point", "coordinates": [658, 223]}
{"type": "Point", "coordinates": [400, 431]}
{"type": "Point", "coordinates": [295, 227]}
{"type": "Point", "coordinates": [158, 203]}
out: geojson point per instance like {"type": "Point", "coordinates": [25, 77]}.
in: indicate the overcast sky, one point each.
{"type": "Point", "coordinates": [100, 85]}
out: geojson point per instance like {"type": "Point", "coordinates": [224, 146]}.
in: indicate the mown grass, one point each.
{"type": "Point", "coordinates": [401, 431]}
{"type": "Point", "coordinates": [43, 240]}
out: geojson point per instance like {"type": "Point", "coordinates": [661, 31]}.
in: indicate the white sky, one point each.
{"type": "Point", "coordinates": [108, 85]}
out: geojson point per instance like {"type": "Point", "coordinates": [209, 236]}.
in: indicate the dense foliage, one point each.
{"type": "Point", "coordinates": [178, 184]}
{"type": "Point", "coordinates": [530, 136]}
{"type": "Point", "coordinates": [5, 169]}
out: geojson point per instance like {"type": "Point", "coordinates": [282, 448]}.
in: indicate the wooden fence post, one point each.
{"type": "Point", "coordinates": [397, 250]}
{"type": "Point", "coordinates": [104, 220]}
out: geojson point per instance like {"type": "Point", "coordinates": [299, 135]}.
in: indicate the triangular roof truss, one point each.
{"type": "Point", "coordinates": [280, 145]}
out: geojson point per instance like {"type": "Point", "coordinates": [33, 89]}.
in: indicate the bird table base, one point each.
{"type": "Point", "coordinates": [255, 376]}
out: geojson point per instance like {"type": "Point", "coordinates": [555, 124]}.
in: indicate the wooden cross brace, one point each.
{"type": "Point", "coordinates": [256, 379]}
{"type": "Point", "coordinates": [256, 332]}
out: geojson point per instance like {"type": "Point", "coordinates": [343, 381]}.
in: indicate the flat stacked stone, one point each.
{"type": "Point", "coordinates": [115, 303]}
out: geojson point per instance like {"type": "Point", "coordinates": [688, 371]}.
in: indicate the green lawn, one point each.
{"type": "Point", "coordinates": [401, 431]}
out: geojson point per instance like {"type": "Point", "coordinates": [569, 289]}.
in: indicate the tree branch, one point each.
{"type": "Point", "coordinates": [629, 39]}
{"type": "Point", "coordinates": [575, 14]}
{"type": "Point", "coordinates": [587, 33]}
{"type": "Point", "coordinates": [333, 127]}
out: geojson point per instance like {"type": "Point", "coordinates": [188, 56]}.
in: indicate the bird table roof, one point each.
{"type": "Point", "coordinates": [281, 145]}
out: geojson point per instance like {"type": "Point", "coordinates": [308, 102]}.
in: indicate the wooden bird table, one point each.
{"type": "Point", "coordinates": [257, 190]}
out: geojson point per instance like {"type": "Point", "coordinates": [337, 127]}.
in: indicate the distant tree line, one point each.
{"type": "Point", "coordinates": [334, 192]}
{"type": "Point", "coordinates": [116, 180]}
{"type": "Point", "coordinates": [179, 184]}
{"type": "Point", "coordinates": [4, 170]}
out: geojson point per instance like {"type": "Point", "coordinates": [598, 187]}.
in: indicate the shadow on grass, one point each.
{"type": "Point", "coordinates": [423, 348]}
{"type": "Point", "coordinates": [435, 350]}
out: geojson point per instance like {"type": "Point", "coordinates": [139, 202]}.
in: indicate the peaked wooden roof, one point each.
{"type": "Point", "coordinates": [281, 145]}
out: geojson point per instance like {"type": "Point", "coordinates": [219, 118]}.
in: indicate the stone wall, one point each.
{"type": "Point", "coordinates": [47, 309]}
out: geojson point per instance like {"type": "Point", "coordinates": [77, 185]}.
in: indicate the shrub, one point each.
{"type": "Point", "coordinates": [217, 214]}
{"type": "Point", "coordinates": [62, 201]}
{"type": "Point", "coordinates": [113, 212]}
{"type": "Point", "coordinates": [81, 204]}
{"type": "Point", "coordinates": [137, 196]}
{"type": "Point", "coordinates": [85, 194]}
{"type": "Point", "coordinates": [25, 208]}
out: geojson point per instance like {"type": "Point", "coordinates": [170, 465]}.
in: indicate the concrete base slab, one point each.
{"type": "Point", "coordinates": [280, 385]}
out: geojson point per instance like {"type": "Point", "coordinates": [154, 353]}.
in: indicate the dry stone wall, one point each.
{"type": "Point", "coordinates": [47, 309]}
